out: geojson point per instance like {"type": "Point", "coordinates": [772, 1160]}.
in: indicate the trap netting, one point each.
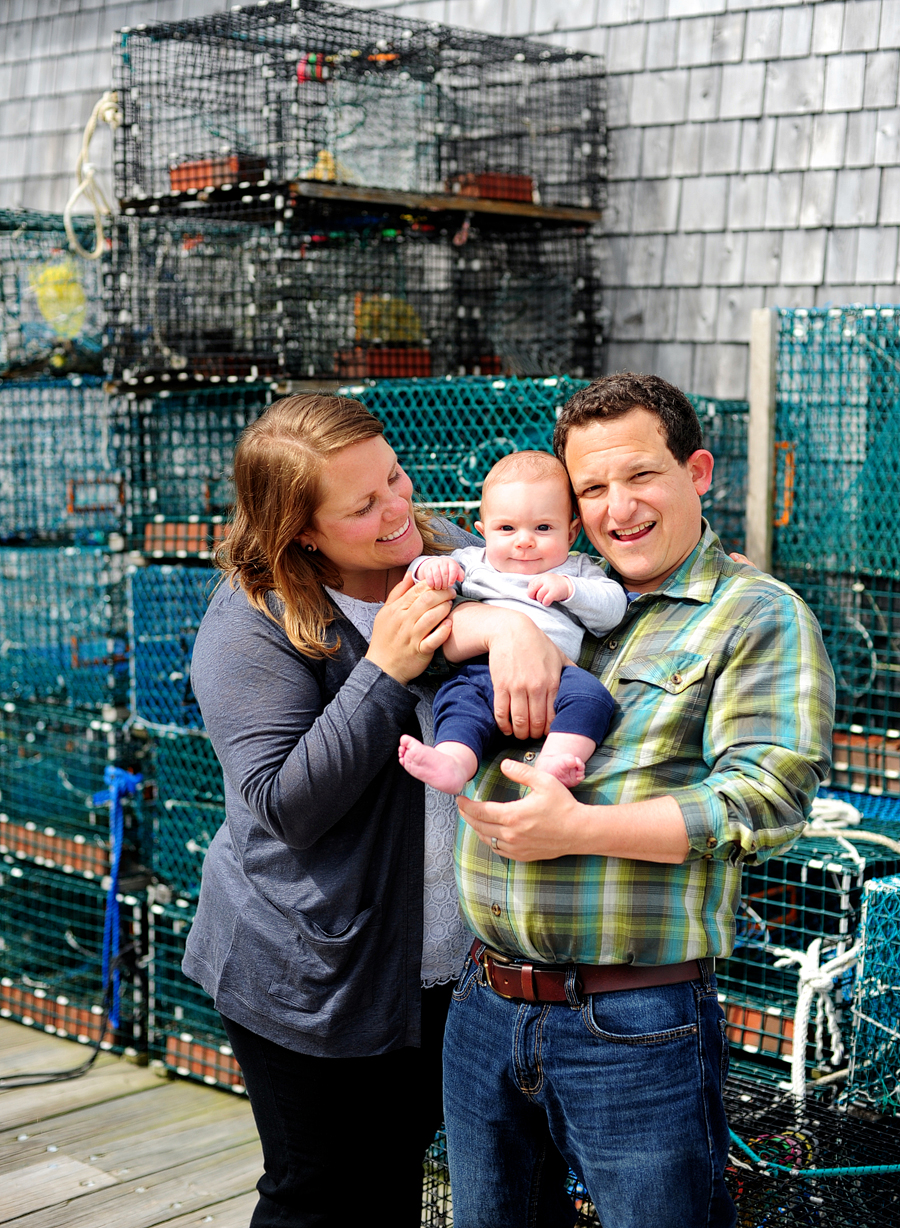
{"type": "Point", "coordinates": [167, 605]}
{"type": "Point", "coordinates": [188, 809]}
{"type": "Point", "coordinates": [62, 458]}
{"type": "Point", "coordinates": [724, 424]}
{"type": "Point", "coordinates": [63, 625]}
{"type": "Point", "coordinates": [875, 1067]}
{"type": "Point", "coordinates": [51, 319]}
{"type": "Point", "coordinates": [51, 955]}
{"type": "Point", "coordinates": [448, 433]}
{"type": "Point", "coordinates": [803, 1136]}
{"type": "Point", "coordinates": [283, 291]}
{"type": "Point", "coordinates": [836, 517]}
{"type": "Point", "coordinates": [180, 484]}
{"type": "Point", "coordinates": [810, 894]}
{"type": "Point", "coordinates": [329, 94]}
{"type": "Point", "coordinates": [52, 761]}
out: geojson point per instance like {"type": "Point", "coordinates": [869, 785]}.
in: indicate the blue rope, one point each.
{"type": "Point", "coordinates": [862, 1170]}
{"type": "Point", "coordinates": [120, 784]}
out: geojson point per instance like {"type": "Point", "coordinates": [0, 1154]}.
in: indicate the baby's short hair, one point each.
{"type": "Point", "coordinates": [527, 467]}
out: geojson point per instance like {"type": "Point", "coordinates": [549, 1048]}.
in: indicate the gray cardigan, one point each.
{"type": "Point", "coordinates": [309, 925]}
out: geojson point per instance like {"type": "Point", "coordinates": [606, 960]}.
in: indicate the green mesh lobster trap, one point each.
{"type": "Point", "coordinates": [51, 940]}
{"type": "Point", "coordinates": [62, 459]}
{"type": "Point", "coordinates": [188, 808]}
{"type": "Point", "coordinates": [63, 625]}
{"type": "Point", "coordinates": [167, 606]}
{"type": "Point", "coordinates": [875, 1067]}
{"type": "Point", "coordinates": [181, 490]}
{"type": "Point", "coordinates": [52, 761]}
{"type": "Point", "coordinates": [837, 517]}
{"type": "Point", "coordinates": [813, 892]}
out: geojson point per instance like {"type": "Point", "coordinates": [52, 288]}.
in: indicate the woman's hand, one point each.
{"type": "Point", "coordinates": [525, 664]}
{"type": "Point", "coordinates": [411, 626]}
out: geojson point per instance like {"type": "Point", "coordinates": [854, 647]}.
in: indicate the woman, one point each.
{"type": "Point", "coordinates": [309, 932]}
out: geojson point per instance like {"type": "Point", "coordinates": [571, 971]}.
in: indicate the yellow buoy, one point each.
{"type": "Point", "coordinates": [60, 297]}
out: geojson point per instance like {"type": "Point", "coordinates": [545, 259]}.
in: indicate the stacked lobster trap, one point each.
{"type": "Point", "coordinates": [313, 191]}
{"type": "Point", "coordinates": [71, 898]}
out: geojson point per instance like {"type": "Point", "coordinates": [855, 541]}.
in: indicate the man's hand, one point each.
{"type": "Point", "coordinates": [525, 664]}
{"type": "Point", "coordinates": [440, 572]}
{"type": "Point", "coordinates": [550, 587]}
{"type": "Point", "coordinates": [548, 823]}
{"type": "Point", "coordinates": [536, 828]}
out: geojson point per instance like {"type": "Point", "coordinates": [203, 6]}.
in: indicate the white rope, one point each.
{"type": "Point", "coordinates": [815, 981]}
{"type": "Point", "coordinates": [107, 110]}
{"type": "Point", "coordinates": [835, 819]}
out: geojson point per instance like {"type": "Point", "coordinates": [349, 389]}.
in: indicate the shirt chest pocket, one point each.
{"type": "Point", "coordinates": [662, 703]}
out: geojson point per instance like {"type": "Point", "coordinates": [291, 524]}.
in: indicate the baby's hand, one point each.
{"type": "Point", "coordinates": [550, 587]}
{"type": "Point", "coordinates": [440, 572]}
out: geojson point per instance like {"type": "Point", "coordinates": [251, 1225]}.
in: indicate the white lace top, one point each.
{"type": "Point", "coordinates": [444, 942]}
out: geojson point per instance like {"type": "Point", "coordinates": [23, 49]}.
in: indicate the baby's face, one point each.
{"type": "Point", "coordinates": [528, 526]}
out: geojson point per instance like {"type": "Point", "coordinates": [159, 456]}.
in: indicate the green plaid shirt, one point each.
{"type": "Point", "coordinates": [724, 700]}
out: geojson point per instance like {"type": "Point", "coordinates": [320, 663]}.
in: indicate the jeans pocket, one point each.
{"type": "Point", "coordinates": [468, 978]}
{"type": "Point", "coordinates": [656, 1015]}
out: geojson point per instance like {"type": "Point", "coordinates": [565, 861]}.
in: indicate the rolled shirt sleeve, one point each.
{"type": "Point", "coordinates": [767, 738]}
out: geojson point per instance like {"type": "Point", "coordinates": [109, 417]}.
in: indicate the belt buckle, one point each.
{"type": "Point", "coordinates": [495, 957]}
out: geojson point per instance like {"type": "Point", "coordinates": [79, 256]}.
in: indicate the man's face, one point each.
{"type": "Point", "coordinates": [638, 506]}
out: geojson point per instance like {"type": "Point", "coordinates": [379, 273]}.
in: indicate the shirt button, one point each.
{"type": "Point", "coordinates": [496, 910]}
{"type": "Point", "coordinates": [530, 756]}
{"type": "Point", "coordinates": [707, 856]}
{"type": "Point", "coordinates": [711, 842]}
{"type": "Point", "coordinates": [676, 678]}
{"type": "Point", "coordinates": [612, 645]}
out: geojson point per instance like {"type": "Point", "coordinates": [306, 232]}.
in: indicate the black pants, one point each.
{"type": "Point", "coordinates": [339, 1132]}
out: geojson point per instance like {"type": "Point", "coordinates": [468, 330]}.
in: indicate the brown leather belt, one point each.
{"type": "Point", "coordinates": [545, 983]}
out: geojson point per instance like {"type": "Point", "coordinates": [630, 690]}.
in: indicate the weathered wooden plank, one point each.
{"type": "Point", "coordinates": [22, 1106]}
{"type": "Point", "coordinates": [157, 1197]}
{"type": "Point", "coordinates": [233, 1213]}
{"type": "Point", "coordinates": [54, 1179]}
{"type": "Point", "coordinates": [170, 1122]}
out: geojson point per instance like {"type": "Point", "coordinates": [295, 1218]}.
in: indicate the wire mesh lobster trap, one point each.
{"type": "Point", "coordinates": [282, 291]}
{"type": "Point", "coordinates": [329, 94]}
{"type": "Point", "coordinates": [51, 319]}
{"type": "Point", "coordinates": [875, 1065]}
{"type": "Point", "coordinates": [811, 893]}
{"type": "Point", "coordinates": [52, 761]}
{"type": "Point", "coordinates": [184, 1028]}
{"type": "Point", "coordinates": [836, 517]}
{"type": "Point", "coordinates": [62, 462]}
{"type": "Point", "coordinates": [167, 605]}
{"type": "Point", "coordinates": [180, 483]}
{"type": "Point", "coordinates": [51, 940]}
{"type": "Point", "coordinates": [63, 625]}
{"type": "Point", "coordinates": [820, 1151]}
{"type": "Point", "coordinates": [188, 808]}
{"type": "Point", "coordinates": [725, 424]}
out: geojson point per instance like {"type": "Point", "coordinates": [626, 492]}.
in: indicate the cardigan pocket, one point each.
{"type": "Point", "coordinates": [327, 966]}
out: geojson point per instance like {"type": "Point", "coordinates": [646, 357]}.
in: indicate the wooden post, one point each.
{"type": "Point", "coordinates": [761, 437]}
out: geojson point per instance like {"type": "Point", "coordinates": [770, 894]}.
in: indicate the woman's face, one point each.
{"type": "Point", "coordinates": [365, 521]}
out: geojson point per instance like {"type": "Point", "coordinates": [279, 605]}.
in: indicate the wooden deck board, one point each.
{"type": "Point", "coordinates": [120, 1147]}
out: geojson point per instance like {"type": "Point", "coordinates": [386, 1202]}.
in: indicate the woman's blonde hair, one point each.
{"type": "Point", "coordinates": [278, 467]}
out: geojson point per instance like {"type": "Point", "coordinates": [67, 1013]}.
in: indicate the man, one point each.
{"type": "Point", "coordinates": [587, 1022]}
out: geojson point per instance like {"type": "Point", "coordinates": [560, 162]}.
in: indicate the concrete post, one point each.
{"type": "Point", "coordinates": [761, 437]}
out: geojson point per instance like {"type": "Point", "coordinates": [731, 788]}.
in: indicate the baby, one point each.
{"type": "Point", "coordinates": [525, 565]}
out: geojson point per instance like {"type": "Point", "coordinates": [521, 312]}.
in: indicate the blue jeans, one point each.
{"type": "Point", "coordinates": [626, 1086]}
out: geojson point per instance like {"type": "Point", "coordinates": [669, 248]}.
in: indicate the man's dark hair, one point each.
{"type": "Point", "coordinates": [613, 396]}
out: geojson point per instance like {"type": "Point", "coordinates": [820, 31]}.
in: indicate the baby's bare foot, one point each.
{"type": "Point", "coordinates": [436, 769]}
{"type": "Point", "coordinates": [568, 769]}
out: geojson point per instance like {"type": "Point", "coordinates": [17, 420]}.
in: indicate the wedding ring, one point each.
{"type": "Point", "coordinates": [494, 843]}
